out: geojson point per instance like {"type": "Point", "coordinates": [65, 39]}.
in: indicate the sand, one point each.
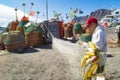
{"type": "Point", "coordinates": [53, 62]}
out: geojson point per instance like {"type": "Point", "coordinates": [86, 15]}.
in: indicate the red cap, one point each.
{"type": "Point", "coordinates": [90, 20]}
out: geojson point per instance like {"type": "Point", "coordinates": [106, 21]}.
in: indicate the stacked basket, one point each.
{"type": "Point", "coordinates": [13, 40]}
{"type": "Point", "coordinates": [33, 34]}
{"type": "Point", "coordinates": [34, 38]}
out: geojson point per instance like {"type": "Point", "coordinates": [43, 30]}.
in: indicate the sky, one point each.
{"type": "Point", "coordinates": [62, 6]}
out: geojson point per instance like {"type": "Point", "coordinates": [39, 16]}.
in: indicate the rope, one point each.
{"type": "Point", "coordinates": [48, 30]}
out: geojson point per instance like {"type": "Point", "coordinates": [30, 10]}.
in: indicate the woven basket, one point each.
{"type": "Point", "coordinates": [85, 37]}
{"type": "Point", "coordinates": [2, 46]}
{"type": "Point", "coordinates": [34, 38]}
{"type": "Point", "coordinates": [12, 36]}
{"type": "Point", "coordinates": [15, 45]}
{"type": "Point", "coordinates": [21, 30]}
{"type": "Point", "coordinates": [13, 25]}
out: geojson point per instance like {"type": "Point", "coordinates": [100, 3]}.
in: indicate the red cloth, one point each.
{"type": "Point", "coordinates": [31, 13]}
{"type": "Point", "coordinates": [90, 20]}
{"type": "Point", "coordinates": [24, 18]}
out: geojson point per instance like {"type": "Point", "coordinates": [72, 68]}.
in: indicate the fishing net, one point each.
{"type": "Point", "coordinates": [7, 28]}
{"type": "Point", "coordinates": [20, 26]}
{"type": "Point", "coordinates": [11, 37]}
{"type": "Point", "coordinates": [34, 38]}
{"type": "Point", "coordinates": [77, 26]}
{"type": "Point", "coordinates": [85, 37]}
{"type": "Point", "coordinates": [22, 23]}
{"type": "Point", "coordinates": [29, 27]}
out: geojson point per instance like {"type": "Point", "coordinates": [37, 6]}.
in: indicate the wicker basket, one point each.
{"type": "Point", "coordinates": [15, 45]}
{"type": "Point", "coordinates": [11, 37]}
{"type": "Point", "coordinates": [13, 25]}
{"type": "Point", "coordinates": [2, 46]}
{"type": "Point", "coordinates": [34, 38]}
{"type": "Point", "coordinates": [20, 29]}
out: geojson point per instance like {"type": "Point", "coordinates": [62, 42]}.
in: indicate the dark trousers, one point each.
{"type": "Point", "coordinates": [118, 35]}
{"type": "Point", "coordinates": [100, 69]}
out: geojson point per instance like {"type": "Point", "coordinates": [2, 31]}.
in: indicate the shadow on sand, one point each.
{"type": "Point", "coordinates": [33, 49]}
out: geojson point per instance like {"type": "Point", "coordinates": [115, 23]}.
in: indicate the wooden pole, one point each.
{"type": "Point", "coordinates": [24, 7]}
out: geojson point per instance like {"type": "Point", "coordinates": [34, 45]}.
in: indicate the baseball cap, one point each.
{"type": "Point", "coordinates": [90, 20]}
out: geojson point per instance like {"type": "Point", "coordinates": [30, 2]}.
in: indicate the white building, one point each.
{"type": "Point", "coordinates": [116, 12]}
{"type": "Point", "coordinates": [114, 17]}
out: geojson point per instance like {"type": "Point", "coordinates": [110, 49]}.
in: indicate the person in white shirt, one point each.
{"type": "Point", "coordinates": [99, 39]}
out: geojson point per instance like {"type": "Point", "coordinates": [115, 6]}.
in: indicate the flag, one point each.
{"type": "Point", "coordinates": [31, 13]}
{"type": "Point", "coordinates": [76, 10]}
{"type": "Point", "coordinates": [67, 16]}
{"type": "Point", "coordinates": [80, 12]}
{"type": "Point", "coordinates": [55, 14]}
{"type": "Point", "coordinates": [71, 13]}
{"type": "Point", "coordinates": [59, 14]}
